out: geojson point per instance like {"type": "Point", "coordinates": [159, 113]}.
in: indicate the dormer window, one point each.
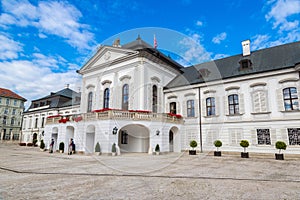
{"type": "Point", "coordinates": [204, 73]}
{"type": "Point", "coordinates": [245, 64]}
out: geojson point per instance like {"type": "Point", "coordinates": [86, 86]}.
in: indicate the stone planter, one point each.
{"type": "Point", "coordinates": [279, 156]}
{"type": "Point", "coordinates": [157, 152]}
{"type": "Point", "coordinates": [217, 153]}
{"type": "Point", "coordinates": [97, 153]}
{"type": "Point", "coordinates": [113, 153]}
{"type": "Point", "coordinates": [244, 155]}
{"type": "Point", "coordinates": [192, 152]}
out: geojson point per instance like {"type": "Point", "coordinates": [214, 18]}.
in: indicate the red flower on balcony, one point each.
{"type": "Point", "coordinates": [175, 115]}
{"type": "Point", "coordinates": [102, 110]}
{"type": "Point", "coordinates": [77, 119]}
{"type": "Point", "coordinates": [64, 120]}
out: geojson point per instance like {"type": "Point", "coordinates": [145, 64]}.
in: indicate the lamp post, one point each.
{"type": "Point", "coordinates": [115, 130]}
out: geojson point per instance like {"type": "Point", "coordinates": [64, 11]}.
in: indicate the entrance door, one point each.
{"type": "Point", "coordinates": [171, 140]}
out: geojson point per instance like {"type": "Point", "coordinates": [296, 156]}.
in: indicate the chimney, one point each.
{"type": "Point", "coordinates": [246, 47]}
{"type": "Point", "coordinates": [67, 86]}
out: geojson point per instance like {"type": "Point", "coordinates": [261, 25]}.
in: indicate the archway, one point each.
{"type": "Point", "coordinates": [90, 139]}
{"type": "Point", "coordinates": [134, 138]}
{"type": "Point", "coordinates": [54, 136]}
{"type": "Point", "coordinates": [69, 135]}
{"type": "Point", "coordinates": [174, 140]}
{"type": "Point", "coordinates": [34, 137]}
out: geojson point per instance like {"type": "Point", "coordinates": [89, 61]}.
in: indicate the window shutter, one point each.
{"type": "Point", "coordinates": [101, 99]}
{"type": "Point", "coordinates": [241, 104]}
{"type": "Point", "coordinates": [256, 103]}
{"type": "Point", "coordinates": [226, 109]}
{"type": "Point", "coordinates": [203, 108]}
{"type": "Point", "coordinates": [273, 136]}
{"type": "Point", "coordinates": [279, 97]}
{"type": "Point", "coordinates": [184, 108]}
{"type": "Point", "coordinates": [217, 105]}
{"type": "Point", "coordinates": [263, 99]}
{"type": "Point", "coordinates": [253, 137]}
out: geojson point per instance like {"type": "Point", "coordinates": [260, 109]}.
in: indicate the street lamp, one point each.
{"type": "Point", "coordinates": [157, 132]}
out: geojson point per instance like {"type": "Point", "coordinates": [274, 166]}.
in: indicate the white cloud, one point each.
{"type": "Point", "coordinates": [280, 11]}
{"type": "Point", "coordinates": [54, 18]}
{"type": "Point", "coordinates": [193, 51]}
{"type": "Point", "coordinates": [9, 49]}
{"type": "Point", "coordinates": [260, 42]}
{"type": "Point", "coordinates": [32, 81]}
{"type": "Point", "coordinates": [199, 23]}
{"type": "Point", "coordinates": [219, 56]}
{"type": "Point", "coordinates": [220, 37]}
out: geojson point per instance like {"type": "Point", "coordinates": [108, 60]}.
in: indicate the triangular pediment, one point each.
{"type": "Point", "coordinates": [106, 55]}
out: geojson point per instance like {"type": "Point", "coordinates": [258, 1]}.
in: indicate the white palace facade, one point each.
{"type": "Point", "coordinates": [137, 97]}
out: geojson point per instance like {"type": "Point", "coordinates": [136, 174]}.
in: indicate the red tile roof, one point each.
{"type": "Point", "coordinates": [7, 93]}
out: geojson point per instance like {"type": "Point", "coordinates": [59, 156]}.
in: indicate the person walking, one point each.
{"type": "Point", "coordinates": [71, 145]}
{"type": "Point", "coordinates": [51, 146]}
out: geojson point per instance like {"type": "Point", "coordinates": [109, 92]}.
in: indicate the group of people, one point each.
{"type": "Point", "coordinates": [71, 149]}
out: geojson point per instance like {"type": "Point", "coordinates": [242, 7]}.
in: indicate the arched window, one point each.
{"type": "Point", "coordinates": [190, 108]}
{"type": "Point", "coordinates": [290, 98]}
{"type": "Point", "coordinates": [173, 107]}
{"type": "Point", "coordinates": [125, 97]}
{"type": "Point", "coordinates": [90, 102]}
{"type": "Point", "coordinates": [210, 106]}
{"type": "Point", "coordinates": [233, 103]}
{"type": "Point", "coordinates": [106, 98]}
{"type": "Point", "coordinates": [154, 99]}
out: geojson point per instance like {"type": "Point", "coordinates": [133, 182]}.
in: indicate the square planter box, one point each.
{"type": "Point", "coordinates": [279, 156]}
{"type": "Point", "coordinates": [217, 153]}
{"type": "Point", "coordinates": [192, 152]}
{"type": "Point", "coordinates": [244, 155]}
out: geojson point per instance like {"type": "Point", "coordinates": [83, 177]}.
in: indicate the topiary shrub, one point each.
{"type": "Point", "coordinates": [61, 147]}
{"type": "Point", "coordinates": [218, 144]}
{"type": "Point", "coordinates": [244, 144]}
{"type": "Point", "coordinates": [157, 149]}
{"type": "Point", "coordinates": [280, 145]}
{"type": "Point", "coordinates": [42, 145]}
{"type": "Point", "coordinates": [97, 148]}
{"type": "Point", "coordinates": [193, 144]}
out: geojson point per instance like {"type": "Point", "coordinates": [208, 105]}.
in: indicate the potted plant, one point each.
{"type": "Point", "coordinates": [157, 149]}
{"type": "Point", "coordinates": [61, 147]}
{"type": "Point", "coordinates": [217, 144]}
{"type": "Point", "coordinates": [97, 149]}
{"type": "Point", "coordinates": [280, 145]}
{"type": "Point", "coordinates": [244, 144]}
{"type": "Point", "coordinates": [42, 145]}
{"type": "Point", "coordinates": [193, 144]}
{"type": "Point", "coordinates": [113, 149]}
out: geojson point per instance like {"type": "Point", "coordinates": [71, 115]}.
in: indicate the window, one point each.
{"type": "Point", "coordinates": [233, 103]}
{"type": "Point", "coordinates": [35, 105]}
{"type": "Point", "coordinates": [6, 136]}
{"type": "Point", "coordinates": [210, 106]}
{"type": "Point", "coordinates": [16, 136]}
{"type": "Point", "coordinates": [124, 137]}
{"type": "Point", "coordinates": [7, 101]}
{"type": "Point", "coordinates": [12, 121]}
{"type": "Point", "coordinates": [294, 136]}
{"type": "Point", "coordinates": [43, 121]}
{"type": "Point", "coordinates": [259, 101]}
{"type": "Point", "coordinates": [90, 102]}
{"type": "Point", "coordinates": [36, 123]}
{"type": "Point", "coordinates": [6, 111]}
{"type": "Point", "coordinates": [173, 107]}
{"type": "Point", "coordinates": [0, 100]}
{"type": "Point", "coordinates": [125, 97]}
{"type": "Point", "coordinates": [106, 98]}
{"type": "Point", "coordinates": [245, 64]}
{"type": "Point", "coordinates": [290, 98]}
{"type": "Point", "coordinates": [154, 98]}
{"type": "Point", "coordinates": [263, 136]}
{"type": "Point", "coordinates": [42, 104]}
{"type": "Point", "coordinates": [13, 111]}
{"type": "Point", "coordinates": [4, 120]}
{"type": "Point", "coordinates": [15, 102]}
{"type": "Point", "coordinates": [190, 108]}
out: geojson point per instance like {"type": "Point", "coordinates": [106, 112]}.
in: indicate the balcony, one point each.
{"type": "Point", "coordinates": [117, 115]}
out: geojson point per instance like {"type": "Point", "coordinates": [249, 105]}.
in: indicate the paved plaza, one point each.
{"type": "Point", "coordinates": [28, 173]}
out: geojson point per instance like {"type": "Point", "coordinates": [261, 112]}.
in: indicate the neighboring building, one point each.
{"type": "Point", "coordinates": [136, 97]}
{"type": "Point", "coordinates": [63, 102]}
{"type": "Point", "coordinates": [11, 111]}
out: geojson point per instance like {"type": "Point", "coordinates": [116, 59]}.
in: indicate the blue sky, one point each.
{"type": "Point", "coordinates": [42, 43]}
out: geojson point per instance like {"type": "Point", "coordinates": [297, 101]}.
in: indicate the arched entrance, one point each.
{"type": "Point", "coordinates": [54, 136]}
{"type": "Point", "coordinates": [34, 137]}
{"type": "Point", "coordinates": [90, 139]}
{"type": "Point", "coordinates": [69, 135]}
{"type": "Point", "coordinates": [171, 141]}
{"type": "Point", "coordinates": [174, 140]}
{"type": "Point", "coordinates": [134, 138]}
